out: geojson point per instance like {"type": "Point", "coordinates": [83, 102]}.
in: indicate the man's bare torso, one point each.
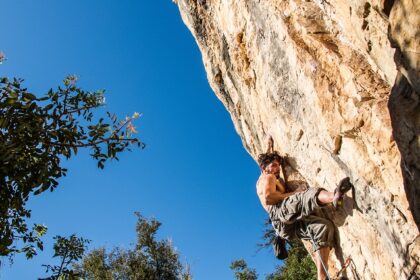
{"type": "Point", "coordinates": [261, 186]}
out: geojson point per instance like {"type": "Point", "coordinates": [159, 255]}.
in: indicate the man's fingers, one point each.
{"type": "Point", "coordinates": [270, 141]}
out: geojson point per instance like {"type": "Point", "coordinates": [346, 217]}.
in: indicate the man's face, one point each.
{"type": "Point", "coordinates": [273, 168]}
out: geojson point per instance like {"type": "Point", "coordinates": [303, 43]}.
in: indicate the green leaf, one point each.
{"type": "Point", "coordinates": [42, 189]}
{"type": "Point", "coordinates": [48, 107]}
{"type": "Point", "coordinates": [3, 122]}
{"type": "Point", "coordinates": [10, 101]}
{"type": "Point", "coordinates": [29, 96]}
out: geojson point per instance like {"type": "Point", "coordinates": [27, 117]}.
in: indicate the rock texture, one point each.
{"type": "Point", "coordinates": [337, 85]}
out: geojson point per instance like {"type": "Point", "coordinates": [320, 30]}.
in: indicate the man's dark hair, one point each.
{"type": "Point", "coordinates": [267, 158]}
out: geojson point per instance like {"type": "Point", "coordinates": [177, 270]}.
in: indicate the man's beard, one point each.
{"type": "Point", "coordinates": [277, 175]}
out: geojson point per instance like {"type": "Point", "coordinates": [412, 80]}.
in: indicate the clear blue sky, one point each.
{"type": "Point", "coordinates": [194, 175]}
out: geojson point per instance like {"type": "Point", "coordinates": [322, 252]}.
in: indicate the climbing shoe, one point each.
{"type": "Point", "coordinates": [344, 186]}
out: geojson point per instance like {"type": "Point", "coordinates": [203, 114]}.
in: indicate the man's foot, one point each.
{"type": "Point", "coordinates": [344, 186]}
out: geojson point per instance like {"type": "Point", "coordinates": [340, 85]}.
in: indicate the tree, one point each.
{"type": "Point", "coordinates": [242, 272]}
{"type": "Point", "coordinates": [298, 265]}
{"type": "Point", "coordinates": [69, 250]}
{"type": "Point", "coordinates": [35, 135]}
{"type": "Point", "coordinates": [150, 259]}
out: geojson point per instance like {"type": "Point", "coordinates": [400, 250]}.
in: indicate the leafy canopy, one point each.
{"type": "Point", "coordinates": [36, 134]}
{"type": "Point", "coordinates": [298, 265]}
{"type": "Point", "coordinates": [242, 271]}
{"type": "Point", "coordinates": [69, 250]}
{"type": "Point", "coordinates": [150, 259]}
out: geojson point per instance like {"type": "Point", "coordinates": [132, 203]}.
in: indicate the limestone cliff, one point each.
{"type": "Point", "coordinates": [337, 84]}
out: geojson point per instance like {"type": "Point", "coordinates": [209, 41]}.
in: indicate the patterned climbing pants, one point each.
{"type": "Point", "coordinates": [294, 218]}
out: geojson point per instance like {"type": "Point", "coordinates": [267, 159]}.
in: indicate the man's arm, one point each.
{"type": "Point", "coordinates": [273, 196]}
{"type": "Point", "coordinates": [270, 143]}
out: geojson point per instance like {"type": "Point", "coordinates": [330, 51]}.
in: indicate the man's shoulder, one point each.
{"type": "Point", "coordinates": [269, 177]}
{"type": "Point", "coordinates": [265, 178]}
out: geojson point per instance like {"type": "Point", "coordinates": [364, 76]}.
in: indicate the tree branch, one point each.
{"type": "Point", "coordinates": [83, 145]}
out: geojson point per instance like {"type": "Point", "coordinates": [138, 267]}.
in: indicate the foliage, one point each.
{"type": "Point", "coordinates": [150, 259]}
{"type": "Point", "coordinates": [69, 250]}
{"type": "Point", "coordinates": [242, 272]}
{"type": "Point", "coordinates": [35, 135]}
{"type": "Point", "coordinates": [268, 235]}
{"type": "Point", "coordinates": [298, 265]}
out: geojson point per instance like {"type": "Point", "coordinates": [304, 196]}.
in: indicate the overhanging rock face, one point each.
{"type": "Point", "coordinates": [336, 83]}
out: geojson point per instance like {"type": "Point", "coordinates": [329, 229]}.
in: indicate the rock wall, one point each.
{"type": "Point", "coordinates": [336, 83]}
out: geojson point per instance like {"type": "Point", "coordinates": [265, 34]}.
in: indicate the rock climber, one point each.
{"type": "Point", "coordinates": [292, 213]}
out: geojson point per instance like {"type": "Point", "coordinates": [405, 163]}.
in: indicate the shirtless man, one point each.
{"type": "Point", "coordinates": [291, 213]}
